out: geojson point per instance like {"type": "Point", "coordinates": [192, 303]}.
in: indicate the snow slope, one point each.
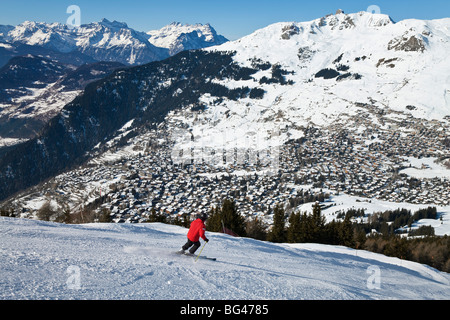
{"type": "Point", "coordinates": [42, 260]}
{"type": "Point", "coordinates": [400, 64]}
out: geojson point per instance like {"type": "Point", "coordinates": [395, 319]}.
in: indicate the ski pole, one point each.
{"type": "Point", "coordinates": [201, 251]}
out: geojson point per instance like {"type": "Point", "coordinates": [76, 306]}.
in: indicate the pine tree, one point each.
{"type": "Point", "coordinates": [331, 235]}
{"type": "Point", "coordinates": [346, 233]}
{"type": "Point", "coordinates": [256, 229]}
{"type": "Point", "coordinates": [360, 238]}
{"type": "Point", "coordinates": [214, 223]}
{"type": "Point", "coordinates": [278, 234]}
{"type": "Point", "coordinates": [317, 224]}
{"type": "Point", "coordinates": [231, 219]}
{"type": "Point", "coordinates": [293, 231]}
{"type": "Point", "coordinates": [227, 217]}
{"type": "Point", "coordinates": [305, 228]}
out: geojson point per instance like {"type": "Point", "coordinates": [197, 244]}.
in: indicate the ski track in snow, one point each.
{"type": "Point", "coordinates": [126, 261]}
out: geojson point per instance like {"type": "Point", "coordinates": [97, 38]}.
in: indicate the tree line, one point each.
{"type": "Point", "coordinates": [377, 235]}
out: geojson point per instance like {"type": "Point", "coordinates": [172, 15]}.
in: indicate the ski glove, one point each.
{"type": "Point", "coordinates": [206, 240]}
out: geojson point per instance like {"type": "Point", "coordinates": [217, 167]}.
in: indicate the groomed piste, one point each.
{"type": "Point", "coordinates": [50, 261]}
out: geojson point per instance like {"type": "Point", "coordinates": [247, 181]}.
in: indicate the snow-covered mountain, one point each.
{"type": "Point", "coordinates": [43, 260]}
{"type": "Point", "coordinates": [104, 41]}
{"type": "Point", "coordinates": [178, 37]}
{"type": "Point", "coordinates": [333, 68]}
{"type": "Point", "coordinates": [100, 41]}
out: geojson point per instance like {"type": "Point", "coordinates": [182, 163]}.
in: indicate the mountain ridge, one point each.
{"type": "Point", "coordinates": [106, 40]}
{"type": "Point", "coordinates": [178, 37]}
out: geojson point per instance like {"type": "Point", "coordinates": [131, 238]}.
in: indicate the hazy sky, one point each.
{"type": "Point", "coordinates": [231, 18]}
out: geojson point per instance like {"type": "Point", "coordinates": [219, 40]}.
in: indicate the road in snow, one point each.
{"type": "Point", "coordinates": [43, 260]}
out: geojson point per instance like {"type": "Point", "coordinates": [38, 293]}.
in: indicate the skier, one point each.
{"type": "Point", "coordinates": [196, 231]}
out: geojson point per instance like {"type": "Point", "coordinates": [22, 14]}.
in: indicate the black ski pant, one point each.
{"type": "Point", "coordinates": [194, 245]}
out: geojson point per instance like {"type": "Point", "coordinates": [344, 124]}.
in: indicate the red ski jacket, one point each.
{"type": "Point", "coordinates": [196, 231]}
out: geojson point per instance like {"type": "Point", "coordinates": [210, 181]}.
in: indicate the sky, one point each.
{"type": "Point", "coordinates": [231, 18]}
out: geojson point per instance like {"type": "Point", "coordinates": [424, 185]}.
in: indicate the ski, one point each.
{"type": "Point", "coordinates": [207, 258]}
{"type": "Point", "coordinates": [194, 256]}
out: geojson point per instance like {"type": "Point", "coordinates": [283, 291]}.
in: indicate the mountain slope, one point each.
{"type": "Point", "coordinates": [42, 260]}
{"type": "Point", "coordinates": [359, 72]}
{"type": "Point", "coordinates": [145, 93]}
{"type": "Point", "coordinates": [35, 89]}
{"type": "Point", "coordinates": [336, 66]}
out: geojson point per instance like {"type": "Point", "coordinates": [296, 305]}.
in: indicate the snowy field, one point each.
{"type": "Point", "coordinates": [341, 203]}
{"type": "Point", "coordinates": [425, 168]}
{"type": "Point", "coordinates": [43, 260]}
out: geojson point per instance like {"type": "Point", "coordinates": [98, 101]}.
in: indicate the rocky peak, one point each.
{"type": "Point", "coordinates": [114, 24]}
{"type": "Point", "coordinates": [178, 37]}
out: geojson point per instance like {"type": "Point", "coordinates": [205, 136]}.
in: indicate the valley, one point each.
{"type": "Point", "coordinates": [292, 114]}
{"type": "Point", "coordinates": [138, 175]}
